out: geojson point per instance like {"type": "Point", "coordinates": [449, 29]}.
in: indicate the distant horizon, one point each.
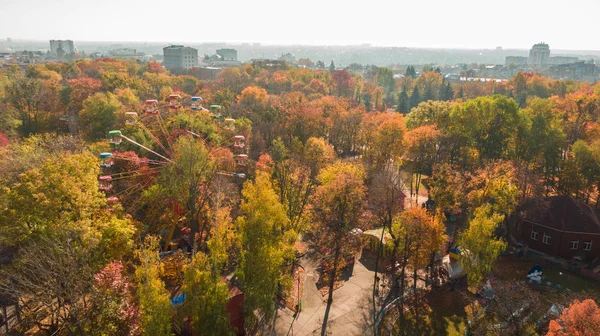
{"type": "Point", "coordinates": [356, 44]}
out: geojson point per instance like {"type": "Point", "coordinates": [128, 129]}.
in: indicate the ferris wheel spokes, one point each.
{"type": "Point", "coordinates": [155, 139]}
{"type": "Point", "coordinates": [144, 147]}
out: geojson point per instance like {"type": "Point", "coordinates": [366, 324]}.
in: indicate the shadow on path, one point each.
{"type": "Point", "coordinates": [325, 318]}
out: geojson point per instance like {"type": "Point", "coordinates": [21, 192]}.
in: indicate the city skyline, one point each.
{"type": "Point", "coordinates": [461, 24]}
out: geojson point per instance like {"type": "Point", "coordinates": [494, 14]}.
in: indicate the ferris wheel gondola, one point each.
{"type": "Point", "coordinates": [151, 106]}
{"type": "Point", "coordinates": [241, 160]}
{"type": "Point", "coordinates": [215, 111]}
{"type": "Point", "coordinates": [229, 124]}
{"type": "Point", "coordinates": [174, 101]}
{"type": "Point", "coordinates": [114, 137]}
{"type": "Point", "coordinates": [239, 142]}
{"type": "Point", "coordinates": [196, 101]}
{"type": "Point", "coordinates": [131, 119]}
{"type": "Point", "coordinates": [105, 183]}
{"type": "Point", "coordinates": [106, 160]}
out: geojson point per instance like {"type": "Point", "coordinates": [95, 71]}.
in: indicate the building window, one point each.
{"type": "Point", "coordinates": [574, 244]}
{"type": "Point", "coordinates": [587, 245]}
{"type": "Point", "coordinates": [534, 235]}
{"type": "Point", "coordinates": [546, 239]}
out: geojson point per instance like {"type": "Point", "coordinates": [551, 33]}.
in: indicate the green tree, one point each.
{"type": "Point", "coordinates": [185, 178]}
{"type": "Point", "coordinates": [430, 113]}
{"type": "Point", "coordinates": [385, 80]}
{"type": "Point", "coordinates": [98, 116]}
{"type": "Point", "coordinates": [42, 198]}
{"type": "Point", "coordinates": [487, 124]}
{"type": "Point", "coordinates": [480, 248]}
{"type": "Point", "coordinates": [403, 102]}
{"type": "Point", "coordinates": [415, 98]}
{"type": "Point", "coordinates": [446, 92]}
{"type": "Point", "coordinates": [410, 72]}
{"type": "Point", "coordinates": [25, 95]}
{"type": "Point", "coordinates": [153, 297]}
{"type": "Point", "coordinates": [206, 297]}
{"type": "Point", "coordinates": [264, 245]}
{"type": "Point", "coordinates": [541, 140]}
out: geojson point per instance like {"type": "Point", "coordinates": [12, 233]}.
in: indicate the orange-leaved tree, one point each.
{"type": "Point", "coordinates": [581, 318]}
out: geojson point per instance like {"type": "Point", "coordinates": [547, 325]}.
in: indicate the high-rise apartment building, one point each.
{"type": "Point", "coordinates": [180, 57]}
{"type": "Point", "coordinates": [539, 54]}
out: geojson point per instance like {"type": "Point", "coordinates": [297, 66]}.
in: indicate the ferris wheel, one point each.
{"type": "Point", "coordinates": [160, 152]}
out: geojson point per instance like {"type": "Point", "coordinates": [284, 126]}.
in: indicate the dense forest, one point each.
{"type": "Point", "coordinates": [238, 171]}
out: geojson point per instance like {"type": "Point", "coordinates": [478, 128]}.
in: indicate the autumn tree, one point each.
{"type": "Point", "coordinates": [495, 184]}
{"type": "Point", "coordinates": [447, 187]}
{"type": "Point", "coordinates": [422, 147]}
{"type": "Point", "coordinates": [387, 198]}
{"type": "Point", "coordinates": [50, 276]}
{"type": "Point", "coordinates": [318, 153]}
{"type": "Point", "coordinates": [343, 83]}
{"type": "Point", "coordinates": [25, 95]}
{"type": "Point", "coordinates": [295, 186]}
{"type": "Point", "coordinates": [417, 237]}
{"type": "Point", "coordinates": [578, 110]}
{"type": "Point", "coordinates": [337, 207]}
{"type": "Point", "coordinates": [186, 178]}
{"type": "Point", "coordinates": [386, 143]}
{"type": "Point", "coordinates": [113, 309]}
{"type": "Point", "coordinates": [42, 199]}
{"type": "Point", "coordinates": [581, 318]}
{"type": "Point", "coordinates": [222, 239]}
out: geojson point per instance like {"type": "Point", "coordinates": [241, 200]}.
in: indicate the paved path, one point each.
{"type": "Point", "coordinates": [351, 312]}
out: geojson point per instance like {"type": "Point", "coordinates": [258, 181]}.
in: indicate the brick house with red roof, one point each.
{"type": "Point", "coordinates": [559, 226]}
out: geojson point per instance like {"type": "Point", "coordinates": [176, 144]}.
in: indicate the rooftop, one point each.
{"type": "Point", "coordinates": [563, 213]}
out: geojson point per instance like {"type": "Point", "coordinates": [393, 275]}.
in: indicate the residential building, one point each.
{"type": "Point", "coordinates": [559, 60]}
{"type": "Point", "coordinates": [180, 57]}
{"type": "Point", "coordinates": [516, 60]}
{"type": "Point", "coordinates": [66, 46]}
{"type": "Point", "coordinates": [559, 226]}
{"type": "Point", "coordinates": [539, 55]}
{"type": "Point", "coordinates": [578, 71]}
{"type": "Point", "coordinates": [227, 54]}
{"type": "Point", "coordinates": [222, 58]}
{"type": "Point", "coordinates": [123, 52]}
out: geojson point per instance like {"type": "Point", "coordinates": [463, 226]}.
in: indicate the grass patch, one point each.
{"type": "Point", "coordinates": [441, 312]}
{"type": "Point", "coordinates": [511, 268]}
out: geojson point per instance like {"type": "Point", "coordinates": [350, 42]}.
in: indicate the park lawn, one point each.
{"type": "Point", "coordinates": [511, 268]}
{"type": "Point", "coordinates": [443, 312]}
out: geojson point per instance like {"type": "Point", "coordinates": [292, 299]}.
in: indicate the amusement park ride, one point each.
{"type": "Point", "coordinates": [153, 110]}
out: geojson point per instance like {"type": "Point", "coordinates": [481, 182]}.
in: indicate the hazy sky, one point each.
{"type": "Point", "coordinates": [565, 24]}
